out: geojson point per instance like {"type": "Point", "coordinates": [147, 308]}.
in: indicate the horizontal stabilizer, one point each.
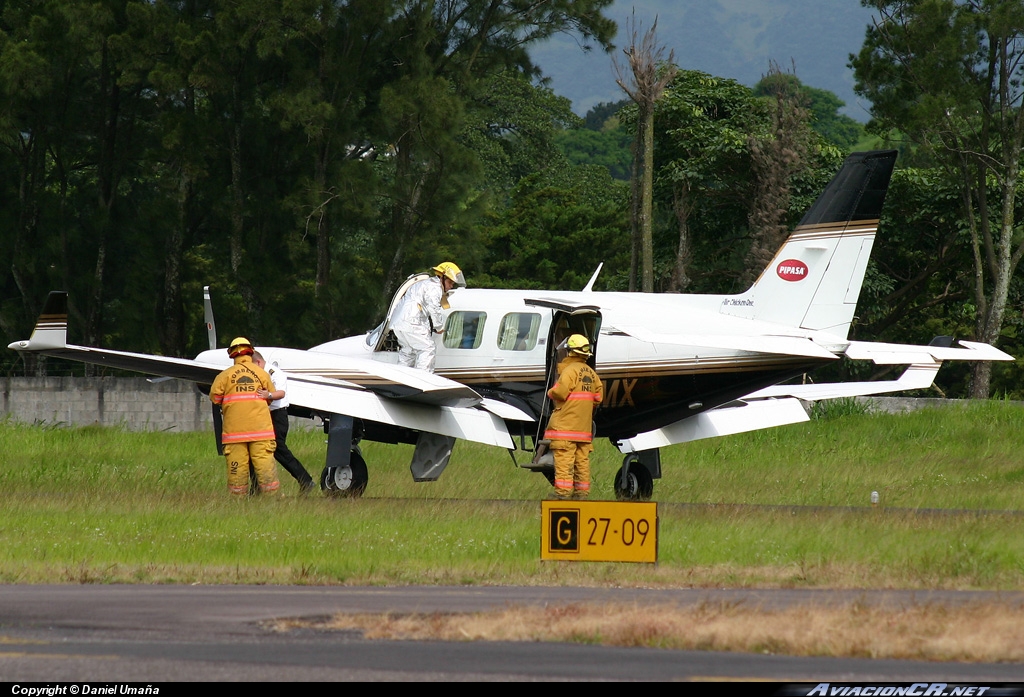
{"type": "Point", "coordinates": [49, 338]}
{"type": "Point", "coordinates": [902, 354]}
{"type": "Point", "coordinates": [918, 376]}
{"type": "Point", "coordinates": [723, 421]}
{"type": "Point", "coordinates": [785, 345]}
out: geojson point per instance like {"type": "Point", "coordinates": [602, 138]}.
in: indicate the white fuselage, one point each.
{"type": "Point", "coordinates": [499, 345]}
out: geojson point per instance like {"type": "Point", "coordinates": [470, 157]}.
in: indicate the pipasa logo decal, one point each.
{"type": "Point", "coordinates": [791, 270]}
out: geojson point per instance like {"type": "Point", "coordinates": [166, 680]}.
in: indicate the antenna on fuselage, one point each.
{"type": "Point", "coordinates": [211, 327]}
{"type": "Point", "coordinates": [590, 284]}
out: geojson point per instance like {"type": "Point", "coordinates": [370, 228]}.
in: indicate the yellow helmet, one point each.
{"type": "Point", "coordinates": [452, 272]}
{"type": "Point", "coordinates": [578, 344]}
{"type": "Point", "coordinates": [240, 346]}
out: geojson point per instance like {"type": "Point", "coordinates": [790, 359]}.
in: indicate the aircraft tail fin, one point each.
{"type": "Point", "coordinates": [815, 278]}
{"type": "Point", "coordinates": [51, 330]}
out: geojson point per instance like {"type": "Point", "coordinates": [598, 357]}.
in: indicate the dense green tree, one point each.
{"type": "Point", "coordinates": [838, 129]}
{"type": "Point", "coordinates": [513, 126]}
{"type": "Point", "coordinates": [703, 125]}
{"type": "Point", "coordinates": [948, 73]}
{"type": "Point", "coordinates": [69, 125]}
{"type": "Point", "coordinates": [779, 152]}
{"type": "Point", "coordinates": [601, 116]}
{"type": "Point", "coordinates": [560, 225]}
{"type": "Point", "coordinates": [163, 52]}
{"type": "Point", "coordinates": [442, 48]}
{"type": "Point", "coordinates": [300, 156]}
{"type": "Point", "coordinates": [609, 148]}
{"type": "Point", "coordinates": [710, 189]}
{"type": "Point", "coordinates": [332, 55]}
{"type": "Point", "coordinates": [603, 140]}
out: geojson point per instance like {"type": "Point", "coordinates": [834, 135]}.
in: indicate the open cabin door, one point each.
{"type": "Point", "coordinates": [566, 320]}
{"type": "Point", "coordinates": [381, 338]}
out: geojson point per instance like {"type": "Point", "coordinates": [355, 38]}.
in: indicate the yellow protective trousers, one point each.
{"type": "Point", "coordinates": [572, 468]}
{"type": "Point", "coordinates": [261, 454]}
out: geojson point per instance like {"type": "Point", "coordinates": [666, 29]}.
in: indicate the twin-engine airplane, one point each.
{"type": "Point", "coordinates": [676, 368]}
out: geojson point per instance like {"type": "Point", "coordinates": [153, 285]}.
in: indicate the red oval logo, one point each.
{"type": "Point", "coordinates": [791, 270]}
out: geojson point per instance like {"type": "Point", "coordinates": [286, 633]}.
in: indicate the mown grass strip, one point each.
{"type": "Point", "coordinates": [104, 505]}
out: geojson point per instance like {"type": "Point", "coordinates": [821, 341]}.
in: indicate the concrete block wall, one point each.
{"type": "Point", "coordinates": [902, 405]}
{"type": "Point", "coordinates": [175, 405]}
{"type": "Point", "coordinates": [133, 403]}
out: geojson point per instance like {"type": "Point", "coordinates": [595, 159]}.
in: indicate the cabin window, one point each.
{"type": "Point", "coordinates": [464, 330]}
{"type": "Point", "coordinates": [518, 331]}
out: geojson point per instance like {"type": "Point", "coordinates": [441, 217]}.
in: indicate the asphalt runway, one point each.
{"type": "Point", "coordinates": [104, 634]}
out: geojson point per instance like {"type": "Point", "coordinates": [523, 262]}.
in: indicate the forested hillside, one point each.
{"type": "Point", "coordinates": [731, 38]}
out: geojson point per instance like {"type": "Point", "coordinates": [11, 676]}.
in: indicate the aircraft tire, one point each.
{"type": "Point", "coordinates": [639, 485]}
{"type": "Point", "coordinates": [345, 482]}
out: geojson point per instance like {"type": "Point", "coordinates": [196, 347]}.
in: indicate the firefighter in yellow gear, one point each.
{"type": "Point", "coordinates": [576, 394]}
{"type": "Point", "coordinates": [243, 393]}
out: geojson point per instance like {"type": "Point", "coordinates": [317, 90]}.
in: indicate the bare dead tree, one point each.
{"type": "Point", "coordinates": [644, 84]}
{"type": "Point", "coordinates": [775, 157]}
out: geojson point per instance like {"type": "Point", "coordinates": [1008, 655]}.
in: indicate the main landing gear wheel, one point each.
{"type": "Point", "coordinates": [345, 482]}
{"type": "Point", "coordinates": [638, 484]}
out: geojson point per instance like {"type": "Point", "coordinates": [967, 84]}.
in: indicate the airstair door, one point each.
{"type": "Point", "coordinates": [566, 320]}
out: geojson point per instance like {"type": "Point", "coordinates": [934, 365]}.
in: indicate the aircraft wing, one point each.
{"type": "Point", "coordinates": [902, 354]}
{"type": "Point", "coordinates": [181, 368]}
{"type": "Point", "coordinates": [773, 406]}
{"type": "Point", "coordinates": [924, 365]}
{"type": "Point", "coordinates": [786, 345]}
{"type": "Point", "coordinates": [384, 379]}
{"type": "Point", "coordinates": [374, 391]}
{"type": "Point", "coordinates": [737, 417]}
{"type": "Point", "coordinates": [917, 376]}
{"type": "Point", "coordinates": [777, 405]}
{"type": "Point", "coordinates": [781, 404]}
{"type": "Point", "coordinates": [469, 423]}
{"type": "Point", "coordinates": [49, 338]}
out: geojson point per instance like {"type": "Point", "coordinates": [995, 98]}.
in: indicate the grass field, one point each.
{"type": "Point", "coordinates": [787, 507]}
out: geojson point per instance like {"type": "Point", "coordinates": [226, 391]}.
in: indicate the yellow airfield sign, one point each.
{"type": "Point", "coordinates": [599, 531]}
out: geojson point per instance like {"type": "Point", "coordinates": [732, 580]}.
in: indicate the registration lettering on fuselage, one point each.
{"type": "Point", "coordinates": [613, 399]}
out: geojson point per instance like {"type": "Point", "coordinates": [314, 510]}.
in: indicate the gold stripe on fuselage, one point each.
{"type": "Point", "coordinates": [664, 368]}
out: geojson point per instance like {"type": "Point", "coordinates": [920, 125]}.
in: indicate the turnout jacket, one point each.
{"type": "Point", "coordinates": [246, 414]}
{"type": "Point", "coordinates": [576, 394]}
